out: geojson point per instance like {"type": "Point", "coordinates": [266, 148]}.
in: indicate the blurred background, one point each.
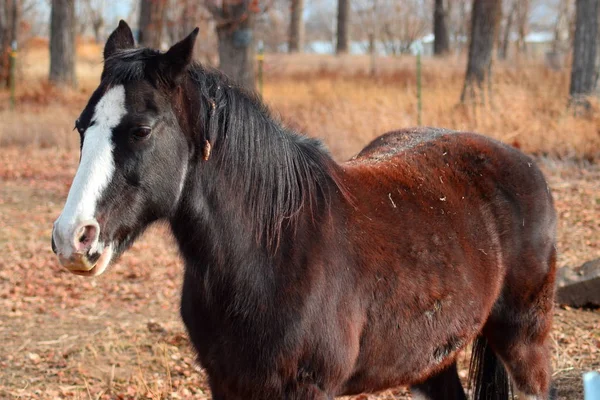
{"type": "Point", "coordinates": [507, 68]}
{"type": "Point", "coordinates": [524, 72]}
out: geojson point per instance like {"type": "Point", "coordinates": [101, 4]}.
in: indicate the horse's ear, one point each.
{"type": "Point", "coordinates": [120, 39]}
{"type": "Point", "coordinates": [178, 57]}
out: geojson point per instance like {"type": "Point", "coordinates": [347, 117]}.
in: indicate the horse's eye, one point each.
{"type": "Point", "coordinates": [141, 132]}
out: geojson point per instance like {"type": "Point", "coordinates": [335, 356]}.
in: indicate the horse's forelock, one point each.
{"type": "Point", "coordinates": [129, 65]}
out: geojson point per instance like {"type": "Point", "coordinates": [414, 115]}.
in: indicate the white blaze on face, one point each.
{"type": "Point", "coordinates": [95, 170]}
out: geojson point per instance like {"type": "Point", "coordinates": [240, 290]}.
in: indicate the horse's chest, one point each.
{"type": "Point", "coordinates": [226, 330]}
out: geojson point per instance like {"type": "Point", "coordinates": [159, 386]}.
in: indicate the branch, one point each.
{"type": "Point", "coordinates": [214, 9]}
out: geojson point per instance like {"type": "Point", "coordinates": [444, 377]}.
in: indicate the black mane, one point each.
{"type": "Point", "coordinates": [278, 171]}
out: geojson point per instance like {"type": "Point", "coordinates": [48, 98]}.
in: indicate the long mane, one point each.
{"type": "Point", "coordinates": [279, 172]}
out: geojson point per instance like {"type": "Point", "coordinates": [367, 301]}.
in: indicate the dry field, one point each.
{"type": "Point", "coordinates": [119, 335]}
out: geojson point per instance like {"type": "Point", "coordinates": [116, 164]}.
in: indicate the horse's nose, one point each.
{"type": "Point", "coordinates": [75, 239]}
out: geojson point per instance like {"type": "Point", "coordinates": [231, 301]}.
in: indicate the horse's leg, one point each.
{"type": "Point", "coordinates": [445, 385]}
{"type": "Point", "coordinates": [518, 329]}
{"type": "Point", "coordinates": [306, 391]}
{"type": "Point", "coordinates": [218, 391]}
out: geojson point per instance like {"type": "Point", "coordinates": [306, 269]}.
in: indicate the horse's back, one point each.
{"type": "Point", "coordinates": [472, 170]}
{"type": "Point", "coordinates": [474, 160]}
{"type": "Point", "coordinates": [392, 143]}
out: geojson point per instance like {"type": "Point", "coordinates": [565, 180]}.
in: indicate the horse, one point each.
{"type": "Point", "coordinates": [305, 278]}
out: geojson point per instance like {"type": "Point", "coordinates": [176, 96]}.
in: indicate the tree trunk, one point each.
{"type": "Point", "coordinates": [373, 36]}
{"type": "Point", "coordinates": [151, 23]}
{"type": "Point", "coordinates": [4, 40]}
{"type": "Point", "coordinates": [9, 31]}
{"type": "Point", "coordinates": [441, 43]}
{"type": "Point", "coordinates": [97, 26]}
{"type": "Point", "coordinates": [523, 10]}
{"type": "Point", "coordinates": [562, 27]}
{"type": "Point", "coordinates": [583, 72]}
{"type": "Point", "coordinates": [343, 17]}
{"type": "Point", "coordinates": [296, 43]}
{"type": "Point", "coordinates": [62, 43]}
{"type": "Point", "coordinates": [484, 22]}
{"type": "Point", "coordinates": [236, 46]}
{"type": "Point", "coordinates": [462, 26]}
{"type": "Point", "coordinates": [503, 50]}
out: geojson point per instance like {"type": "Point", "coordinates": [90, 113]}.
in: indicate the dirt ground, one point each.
{"type": "Point", "coordinates": [120, 336]}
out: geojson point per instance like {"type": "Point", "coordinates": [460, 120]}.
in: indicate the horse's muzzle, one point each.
{"type": "Point", "coordinates": [87, 264]}
{"type": "Point", "coordinates": [80, 251]}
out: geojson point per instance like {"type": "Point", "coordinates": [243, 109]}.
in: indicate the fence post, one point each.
{"type": "Point", "coordinates": [260, 57]}
{"type": "Point", "coordinates": [12, 79]}
{"type": "Point", "coordinates": [419, 98]}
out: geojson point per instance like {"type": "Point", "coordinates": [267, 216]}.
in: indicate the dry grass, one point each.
{"type": "Point", "coordinates": [335, 99]}
{"type": "Point", "coordinates": [528, 108]}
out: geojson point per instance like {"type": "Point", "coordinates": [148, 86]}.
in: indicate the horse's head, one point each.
{"type": "Point", "coordinates": [134, 154]}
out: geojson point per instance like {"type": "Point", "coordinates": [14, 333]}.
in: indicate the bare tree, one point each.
{"type": "Point", "coordinates": [320, 23]}
{"type": "Point", "coordinates": [484, 21]}
{"type": "Point", "coordinates": [523, 9]}
{"type": "Point", "coordinates": [94, 10]}
{"type": "Point", "coordinates": [296, 42]}
{"type": "Point", "coordinates": [273, 27]}
{"type": "Point", "coordinates": [457, 12]}
{"type": "Point", "coordinates": [181, 17]}
{"type": "Point", "coordinates": [441, 43]}
{"type": "Point", "coordinates": [390, 26]}
{"type": "Point", "coordinates": [4, 40]}
{"type": "Point", "coordinates": [62, 42]}
{"type": "Point", "coordinates": [583, 72]}
{"type": "Point", "coordinates": [563, 26]}
{"type": "Point", "coordinates": [151, 22]}
{"type": "Point", "coordinates": [235, 21]}
{"type": "Point", "coordinates": [10, 14]}
{"type": "Point", "coordinates": [343, 32]}
{"type": "Point", "coordinates": [508, 25]}
{"type": "Point", "coordinates": [401, 24]}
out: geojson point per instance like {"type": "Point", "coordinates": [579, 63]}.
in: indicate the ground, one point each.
{"type": "Point", "coordinates": [120, 336]}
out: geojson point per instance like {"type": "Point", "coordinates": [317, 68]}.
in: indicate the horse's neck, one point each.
{"type": "Point", "coordinates": [259, 181]}
{"type": "Point", "coordinates": [214, 224]}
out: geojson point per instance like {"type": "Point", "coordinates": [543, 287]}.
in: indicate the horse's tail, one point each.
{"type": "Point", "coordinates": [488, 379]}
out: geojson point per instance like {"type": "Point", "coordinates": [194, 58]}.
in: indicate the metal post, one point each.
{"type": "Point", "coordinates": [12, 79]}
{"type": "Point", "coordinates": [419, 98]}
{"type": "Point", "coordinates": [260, 57]}
{"type": "Point", "coordinates": [591, 385]}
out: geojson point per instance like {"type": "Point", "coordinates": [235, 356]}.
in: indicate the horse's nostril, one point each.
{"type": "Point", "coordinates": [85, 237]}
{"type": "Point", "coordinates": [82, 238]}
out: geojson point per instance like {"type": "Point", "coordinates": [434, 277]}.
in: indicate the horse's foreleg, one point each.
{"type": "Point", "coordinates": [444, 385]}
{"type": "Point", "coordinates": [306, 391]}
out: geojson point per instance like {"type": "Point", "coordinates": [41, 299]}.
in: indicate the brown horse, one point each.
{"type": "Point", "coordinates": [306, 279]}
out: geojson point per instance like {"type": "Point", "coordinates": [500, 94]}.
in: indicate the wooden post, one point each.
{"type": "Point", "coordinates": [419, 98]}
{"type": "Point", "coordinates": [12, 79]}
{"type": "Point", "coordinates": [260, 57]}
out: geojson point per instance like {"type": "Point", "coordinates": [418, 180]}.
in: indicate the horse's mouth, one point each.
{"type": "Point", "coordinates": [88, 265]}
